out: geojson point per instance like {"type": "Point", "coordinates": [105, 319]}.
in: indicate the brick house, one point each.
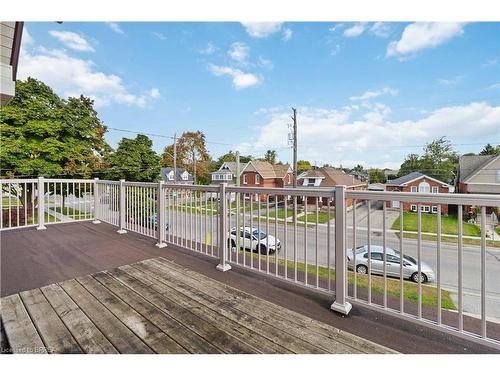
{"type": "Point", "coordinates": [259, 173]}
{"type": "Point", "coordinates": [478, 174]}
{"type": "Point", "coordinates": [328, 177]}
{"type": "Point", "coordinates": [416, 182]}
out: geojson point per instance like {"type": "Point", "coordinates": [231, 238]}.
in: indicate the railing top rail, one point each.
{"type": "Point", "coordinates": [17, 180]}
{"type": "Point", "coordinates": [309, 192]}
{"type": "Point", "coordinates": [437, 198]}
{"type": "Point", "coordinates": [108, 182]}
{"type": "Point", "coordinates": [140, 184]}
{"type": "Point", "coordinates": [204, 188]}
{"type": "Point", "coordinates": [69, 180]}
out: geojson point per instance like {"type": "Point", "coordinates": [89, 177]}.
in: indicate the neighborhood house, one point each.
{"type": "Point", "coordinates": [260, 173]}
{"type": "Point", "coordinates": [417, 182]}
{"type": "Point", "coordinates": [227, 173]}
{"type": "Point", "coordinates": [183, 177]}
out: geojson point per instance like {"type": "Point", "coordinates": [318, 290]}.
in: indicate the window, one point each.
{"type": "Point", "coordinates": [435, 190]}
{"type": "Point", "coordinates": [311, 182]}
{"type": "Point", "coordinates": [392, 258]}
{"type": "Point", "coordinates": [185, 176]}
{"type": "Point", "coordinates": [413, 207]}
{"type": "Point", "coordinates": [434, 209]}
{"type": "Point", "coordinates": [289, 178]}
{"type": "Point", "coordinates": [377, 256]}
{"type": "Point", "coordinates": [257, 179]}
{"type": "Point", "coordinates": [425, 208]}
{"type": "Point", "coordinates": [424, 187]}
{"type": "Point", "coordinates": [171, 175]}
{"type": "Point", "coordinates": [245, 180]}
{"type": "Point", "coordinates": [413, 189]}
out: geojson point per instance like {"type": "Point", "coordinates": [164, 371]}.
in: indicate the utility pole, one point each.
{"type": "Point", "coordinates": [175, 158]}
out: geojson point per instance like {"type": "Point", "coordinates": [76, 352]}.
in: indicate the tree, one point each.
{"type": "Point", "coordinates": [44, 135]}
{"type": "Point", "coordinates": [134, 160]}
{"type": "Point", "coordinates": [303, 166]}
{"type": "Point", "coordinates": [410, 164]}
{"type": "Point", "coordinates": [358, 168]}
{"type": "Point", "coordinates": [192, 154]}
{"type": "Point", "coordinates": [490, 150]}
{"type": "Point", "coordinates": [376, 175]}
{"type": "Point", "coordinates": [271, 156]}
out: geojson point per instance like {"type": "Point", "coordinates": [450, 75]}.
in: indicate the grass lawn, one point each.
{"type": "Point", "coordinates": [410, 289]}
{"type": "Point", "coordinates": [466, 241]}
{"type": "Point", "coordinates": [497, 230]}
{"type": "Point", "coordinates": [5, 202]}
{"type": "Point", "coordinates": [73, 213]}
{"type": "Point", "coordinates": [322, 217]}
{"type": "Point", "coordinates": [449, 224]}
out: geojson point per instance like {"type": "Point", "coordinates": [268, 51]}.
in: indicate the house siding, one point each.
{"type": "Point", "coordinates": [407, 206]}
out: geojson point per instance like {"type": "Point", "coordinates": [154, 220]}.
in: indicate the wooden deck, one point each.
{"type": "Point", "coordinates": [157, 306]}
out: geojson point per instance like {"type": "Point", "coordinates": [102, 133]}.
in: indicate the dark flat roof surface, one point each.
{"type": "Point", "coordinates": [31, 259]}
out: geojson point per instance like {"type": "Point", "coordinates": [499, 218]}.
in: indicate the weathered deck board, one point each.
{"type": "Point", "coordinates": [54, 333]}
{"type": "Point", "coordinates": [19, 329]}
{"type": "Point", "coordinates": [158, 306]}
{"type": "Point", "coordinates": [85, 332]}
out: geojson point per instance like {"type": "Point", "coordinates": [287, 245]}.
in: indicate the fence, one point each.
{"type": "Point", "coordinates": [425, 266]}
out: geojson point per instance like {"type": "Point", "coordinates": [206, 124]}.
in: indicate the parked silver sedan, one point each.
{"type": "Point", "coordinates": [393, 263]}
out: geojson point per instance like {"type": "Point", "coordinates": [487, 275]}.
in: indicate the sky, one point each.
{"type": "Point", "coordinates": [366, 93]}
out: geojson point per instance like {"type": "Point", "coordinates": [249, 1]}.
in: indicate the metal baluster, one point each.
{"type": "Point", "coordinates": [483, 272]}
{"type": "Point", "coordinates": [384, 242]}
{"type": "Point", "coordinates": [251, 226]}
{"type": "Point", "coordinates": [355, 285]}
{"type": "Point", "coordinates": [368, 202]}
{"type": "Point", "coordinates": [316, 242]}
{"type": "Point", "coordinates": [401, 262]}
{"type": "Point", "coordinates": [285, 239]}
{"type": "Point", "coordinates": [305, 240]}
{"type": "Point", "coordinates": [438, 268]}
{"type": "Point", "coordinates": [259, 200]}
{"type": "Point", "coordinates": [25, 193]}
{"type": "Point", "coordinates": [295, 238]}
{"type": "Point", "coordinates": [419, 259]}
{"type": "Point", "coordinates": [267, 234]}
{"type": "Point", "coordinates": [276, 261]}
{"type": "Point", "coordinates": [460, 270]}
{"type": "Point", "coordinates": [328, 245]}
{"type": "Point", "coordinates": [239, 231]}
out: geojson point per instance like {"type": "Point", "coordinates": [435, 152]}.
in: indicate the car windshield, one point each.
{"type": "Point", "coordinates": [360, 249]}
{"type": "Point", "coordinates": [260, 235]}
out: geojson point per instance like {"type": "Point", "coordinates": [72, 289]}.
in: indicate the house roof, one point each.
{"type": "Point", "coordinates": [165, 171]}
{"type": "Point", "coordinates": [281, 170]}
{"type": "Point", "coordinates": [332, 177]}
{"type": "Point", "coordinates": [268, 170]}
{"type": "Point", "coordinates": [411, 177]}
{"type": "Point", "coordinates": [470, 164]}
{"type": "Point", "coordinates": [231, 165]}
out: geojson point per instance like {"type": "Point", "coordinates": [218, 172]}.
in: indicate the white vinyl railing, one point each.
{"type": "Point", "coordinates": [429, 267]}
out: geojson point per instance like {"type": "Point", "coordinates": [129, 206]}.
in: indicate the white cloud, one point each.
{"type": "Point", "coordinates": [159, 35]}
{"type": "Point", "coordinates": [335, 49]}
{"type": "Point", "coordinates": [115, 27]}
{"type": "Point", "coordinates": [336, 27]}
{"type": "Point", "coordinates": [72, 40]}
{"type": "Point", "coordinates": [287, 34]}
{"type": "Point", "coordinates": [340, 136]}
{"type": "Point", "coordinates": [241, 80]}
{"type": "Point", "coordinates": [374, 94]}
{"type": "Point", "coordinates": [239, 52]}
{"type": "Point", "coordinates": [491, 62]}
{"type": "Point", "coordinates": [261, 29]}
{"type": "Point", "coordinates": [265, 63]}
{"type": "Point", "coordinates": [450, 81]}
{"type": "Point", "coordinates": [422, 35]}
{"type": "Point", "coordinates": [27, 39]}
{"type": "Point", "coordinates": [381, 29]}
{"type": "Point", "coordinates": [154, 93]}
{"type": "Point", "coordinates": [209, 49]}
{"type": "Point", "coordinates": [355, 30]}
{"type": "Point", "coordinates": [71, 76]}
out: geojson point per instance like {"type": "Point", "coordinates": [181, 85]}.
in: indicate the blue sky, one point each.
{"type": "Point", "coordinates": [366, 93]}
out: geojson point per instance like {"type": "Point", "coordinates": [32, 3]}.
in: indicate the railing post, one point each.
{"type": "Point", "coordinates": [41, 204]}
{"type": "Point", "coordinates": [122, 208]}
{"type": "Point", "coordinates": [223, 266]}
{"type": "Point", "coordinates": [340, 305]}
{"type": "Point", "coordinates": [160, 216]}
{"type": "Point", "coordinates": [96, 202]}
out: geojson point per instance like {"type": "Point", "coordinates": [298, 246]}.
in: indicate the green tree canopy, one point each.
{"type": "Point", "coordinates": [44, 135]}
{"type": "Point", "coordinates": [490, 150]}
{"type": "Point", "coordinates": [134, 160]}
{"type": "Point", "coordinates": [303, 166]}
{"type": "Point", "coordinates": [271, 156]}
{"type": "Point", "coordinates": [376, 175]}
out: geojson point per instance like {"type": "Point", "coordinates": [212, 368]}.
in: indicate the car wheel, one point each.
{"type": "Point", "coordinates": [362, 269]}
{"type": "Point", "coordinates": [423, 277]}
{"type": "Point", "coordinates": [262, 249]}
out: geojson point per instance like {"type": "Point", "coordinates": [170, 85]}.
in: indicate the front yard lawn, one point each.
{"type": "Point", "coordinates": [449, 224]}
{"type": "Point", "coordinates": [322, 217]}
{"type": "Point", "coordinates": [73, 212]}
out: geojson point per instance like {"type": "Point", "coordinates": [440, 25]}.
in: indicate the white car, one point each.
{"type": "Point", "coordinates": [254, 240]}
{"type": "Point", "coordinates": [393, 265]}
